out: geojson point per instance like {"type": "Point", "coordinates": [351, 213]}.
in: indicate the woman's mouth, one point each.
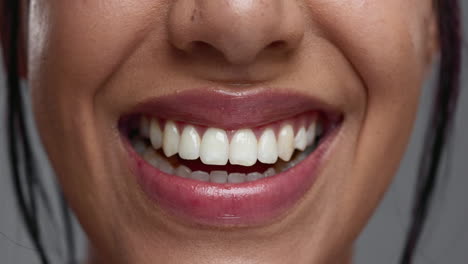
{"type": "Point", "coordinates": [228, 171]}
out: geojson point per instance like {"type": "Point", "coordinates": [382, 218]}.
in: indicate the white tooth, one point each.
{"type": "Point", "coordinates": [300, 141]}
{"type": "Point", "coordinates": [214, 148]}
{"type": "Point", "coordinates": [269, 172]}
{"type": "Point", "coordinates": [139, 146]}
{"type": "Point", "coordinates": [243, 148]}
{"type": "Point", "coordinates": [183, 171]}
{"type": "Point", "coordinates": [311, 133]}
{"type": "Point", "coordinates": [286, 142]}
{"type": "Point", "coordinates": [253, 176]}
{"type": "Point", "coordinates": [157, 161]}
{"type": "Point", "coordinates": [200, 176]}
{"type": "Point", "coordinates": [267, 147]}
{"type": "Point", "coordinates": [155, 134]}
{"type": "Point", "coordinates": [189, 146]}
{"type": "Point", "coordinates": [218, 176]}
{"type": "Point", "coordinates": [170, 139]}
{"type": "Point", "coordinates": [236, 177]}
{"type": "Point", "coordinates": [144, 127]}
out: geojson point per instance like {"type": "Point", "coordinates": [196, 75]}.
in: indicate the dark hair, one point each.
{"type": "Point", "coordinates": [29, 190]}
{"type": "Point", "coordinates": [441, 122]}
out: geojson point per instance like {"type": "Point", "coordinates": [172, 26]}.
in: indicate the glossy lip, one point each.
{"type": "Point", "coordinates": [246, 204]}
{"type": "Point", "coordinates": [216, 107]}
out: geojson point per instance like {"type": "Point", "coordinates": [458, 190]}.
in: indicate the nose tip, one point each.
{"type": "Point", "coordinates": [238, 29]}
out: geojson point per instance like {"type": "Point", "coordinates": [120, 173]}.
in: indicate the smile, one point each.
{"type": "Point", "coordinates": [216, 160]}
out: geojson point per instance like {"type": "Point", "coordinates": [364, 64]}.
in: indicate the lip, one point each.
{"type": "Point", "coordinates": [246, 204]}
{"type": "Point", "coordinates": [222, 108]}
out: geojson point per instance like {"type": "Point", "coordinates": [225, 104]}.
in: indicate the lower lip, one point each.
{"type": "Point", "coordinates": [245, 204]}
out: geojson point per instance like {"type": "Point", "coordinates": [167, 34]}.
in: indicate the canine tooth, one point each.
{"type": "Point", "coordinates": [144, 126]}
{"type": "Point", "coordinates": [253, 176]}
{"type": "Point", "coordinates": [155, 134]}
{"type": "Point", "coordinates": [286, 142]}
{"type": "Point", "coordinates": [214, 148]}
{"type": "Point", "coordinates": [189, 145]}
{"type": "Point", "coordinates": [267, 147]}
{"type": "Point", "coordinates": [311, 133]}
{"type": "Point", "coordinates": [243, 148]}
{"type": "Point", "coordinates": [218, 176]}
{"type": "Point", "coordinates": [300, 141]}
{"type": "Point", "coordinates": [170, 139]}
{"type": "Point", "coordinates": [269, 172]}
{"type": "Point", "coordinates": [236, 177]}
{"type": "Point", "coordinates": [183, 171]}
{"type": "Point", "coordinates": [200, 176]}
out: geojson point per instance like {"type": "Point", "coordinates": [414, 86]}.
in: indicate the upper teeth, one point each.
{"type": "Point", "coordinates": [243, 148]}
{"type": "Point", "coordinates": [267, 147]}
{"type": "Point", "coordinates": [189, 146]}
{"type": "Point", "coordinates": [215, 148]}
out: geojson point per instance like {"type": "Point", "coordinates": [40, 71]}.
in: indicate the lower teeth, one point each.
{"type": "Point", "coordinates": [216, 176]}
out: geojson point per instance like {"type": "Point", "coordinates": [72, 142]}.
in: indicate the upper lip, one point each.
{"type": "Point", "coordinates": [233, 109]}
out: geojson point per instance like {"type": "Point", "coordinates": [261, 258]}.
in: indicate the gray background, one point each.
{"type": "Point", "coordinates": [444, 242]}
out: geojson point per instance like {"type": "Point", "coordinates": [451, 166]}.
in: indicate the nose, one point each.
{"type": "Point", "coordinates": [238, 29]}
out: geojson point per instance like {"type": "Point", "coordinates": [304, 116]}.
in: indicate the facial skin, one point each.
{"type": "Point", "coordinates": [91, 61]}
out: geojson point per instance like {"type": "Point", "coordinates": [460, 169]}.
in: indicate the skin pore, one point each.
{"type": "Point", "coordinates": [89, 62]}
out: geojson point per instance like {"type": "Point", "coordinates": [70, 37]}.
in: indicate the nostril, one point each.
{"type": "Point", "coordinates": [204, 49]}
{"type": "Point", "coordinates": [235, 32]}
{"type": "Point", "coordinates": [276, 45]}
{"type": "Point", "coordinates": [200, 45]}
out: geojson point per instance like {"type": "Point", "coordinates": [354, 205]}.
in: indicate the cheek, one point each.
{"type": "Point", "coordinates": [86, 41]}
{"type": "Point", "coordinates": [74, 47]}
{"type": "Point", "coordinates": [383, 40]}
